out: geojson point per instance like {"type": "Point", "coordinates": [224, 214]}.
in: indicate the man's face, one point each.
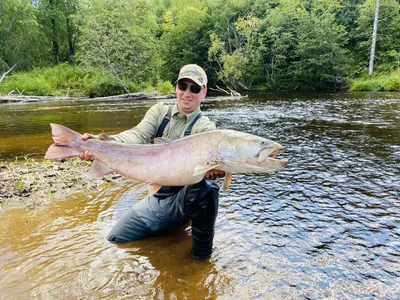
{"type": "Point", "coordinates": [188, 101]}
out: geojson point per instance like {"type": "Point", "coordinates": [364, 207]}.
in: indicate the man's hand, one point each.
{"type": "Point", "coordinates": [102, 136]}
{"type": "Point", "coordinates": [214, 174]}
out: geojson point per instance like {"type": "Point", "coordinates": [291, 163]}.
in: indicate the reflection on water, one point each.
{"type": "Point", "coordinates": [326, 226]}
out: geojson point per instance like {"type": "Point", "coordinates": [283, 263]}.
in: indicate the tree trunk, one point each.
{"type": "Point", "coordinates": [54, 38]}
{"type": "Point", "coordinates": [7, 72]}
{"type": "Point", "coordinates": [373, 44]}
{"type": "Point", "coordinates": [71, 43]}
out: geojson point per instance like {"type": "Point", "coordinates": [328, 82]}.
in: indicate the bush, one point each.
{"type": "Point", "coordinates": [387, 83]}
{"type": "Point", "coordinates": [73, 81]}
{"type": "Point", "coordinates": [165, 87]}
{"type": "Point", "coordinates": [104, 88]}
{"type": "Point", "coordinates": [60, 80]}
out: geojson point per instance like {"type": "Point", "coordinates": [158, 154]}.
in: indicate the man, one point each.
{"type": "Point", "coordinates": [172, 205]}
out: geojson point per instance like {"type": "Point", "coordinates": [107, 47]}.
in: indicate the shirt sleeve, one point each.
{"type": "Point", "coordinates": [145, 131]}
{"type": "Point", "coordinates": [203, 124]}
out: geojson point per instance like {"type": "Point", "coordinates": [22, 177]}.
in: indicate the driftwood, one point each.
{"type": "Point", "coordinates": [132, 96]}
{"type": "Point", "coordinates": [231, 92]}
{"type": "Point", "coordinates": [125, 97]}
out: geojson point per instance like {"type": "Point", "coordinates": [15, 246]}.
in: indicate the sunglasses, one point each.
{"type": "Point", "coordinates": [194, 89]}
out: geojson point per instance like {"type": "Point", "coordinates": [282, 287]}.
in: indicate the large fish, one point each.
{"type": "Point", "coordinates": [179, 162]}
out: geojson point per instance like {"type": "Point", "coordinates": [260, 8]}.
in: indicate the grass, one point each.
{"type": "Point", "coordinates": [377, 83]}
{"type": "Point", "coordinates": [73, 81]}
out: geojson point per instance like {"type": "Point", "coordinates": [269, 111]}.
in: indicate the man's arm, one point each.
{"type": "Point", "coordinates": [145, 131]}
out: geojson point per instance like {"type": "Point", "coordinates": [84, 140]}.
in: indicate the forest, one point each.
{"type": "Point", "coordinates": [105, 47]}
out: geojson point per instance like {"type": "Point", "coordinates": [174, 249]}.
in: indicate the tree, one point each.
{"type": "Point", "coordinates": [373, 43]}
{"type": "Point", "coordinates": [234, 65]}
{"type": "Point", "coordinates": [21, 42]}
{"type": "Point", "coordinates": [387, 35]}
{"type": "Point", "coordinates": [118, 37]}
{"type": "Point", "coordinates": [303, 45]}
{"type": "Point", "coordinates": [321, 58]}
{"type": "Point", "coordinates": [278, 43]}
{"type": "Point", "coordinates": [183, 40]}
{"type": "Point", "coordinates": [58, 20]}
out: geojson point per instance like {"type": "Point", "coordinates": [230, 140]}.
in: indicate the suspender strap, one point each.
{"type": "Point", "coordinates": [188, 130]}
{"type": "Point", "coordinates": [167, 118]}
{"type": "Point", "coordinates": [165, 122]}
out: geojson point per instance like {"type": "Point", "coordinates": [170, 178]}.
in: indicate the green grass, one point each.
{"type": "Point", "coordinates": [377, 83]}
{"type": "Point", "coordinates": [72, 81]}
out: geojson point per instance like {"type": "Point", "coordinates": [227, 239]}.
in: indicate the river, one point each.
{"type": "Point", "coordinates": [326, 226]}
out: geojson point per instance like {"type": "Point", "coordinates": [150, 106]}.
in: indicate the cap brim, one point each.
{"type": "Point", "coordinates": [198, 82]}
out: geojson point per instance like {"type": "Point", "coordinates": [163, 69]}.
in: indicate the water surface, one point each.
{"type": "Point", "coordinates": [328, 225]}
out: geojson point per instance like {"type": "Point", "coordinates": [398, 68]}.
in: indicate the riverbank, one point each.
{"type": "Point", "coordinates": [124, 97]}
{"type": "Point", "coordinates": [377, 83]}
{"type": "Point", "coordinates": [30, 184]}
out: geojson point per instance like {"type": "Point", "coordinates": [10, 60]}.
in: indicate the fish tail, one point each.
{"type": "Point", "coordinates": [66, 142]}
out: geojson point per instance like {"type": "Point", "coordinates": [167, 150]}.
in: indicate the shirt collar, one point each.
{"type": "Point", "coordinates": [189, 117]}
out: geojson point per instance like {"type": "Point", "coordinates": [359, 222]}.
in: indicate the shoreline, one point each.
{"type": "Point", "coordinates": [4, 99]}
{"type": "Point", "coordinates": [132, 96]}
{"type": "Point", "coordinates": [32, 184]}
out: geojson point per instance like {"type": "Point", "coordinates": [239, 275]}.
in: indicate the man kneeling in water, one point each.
{"type": "Point", "coordinates": [172, 205]}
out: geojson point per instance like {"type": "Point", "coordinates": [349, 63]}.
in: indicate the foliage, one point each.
{"type": "Point", "coordinates": [235, 65]}
{"type": "Point", "coordinates": [388, 38]}
{"type": "Point", "coordinates": [118, 37]}
{"type": "Point", "coordinates": [183, 40]}
{"type": "Point", "coordinates": [387, 82]}
{"type": "Point", "coordinates": [320, 58]}
{"type": "Point", "coordinates": [165, 87]}
{"type": "Point", "coordinates": [136, 45]}
{"type": "Point", "coordinates": [62, 80]}
{"type": "Point", "coordinates": [59, 26]}
{"type": "Point", "coordinates": [21, 42]}
{"type": "Point", "coordinates": [304, 45]}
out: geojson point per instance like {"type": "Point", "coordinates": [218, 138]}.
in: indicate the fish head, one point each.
{"type": "Point", "coordinates": [247, 153]}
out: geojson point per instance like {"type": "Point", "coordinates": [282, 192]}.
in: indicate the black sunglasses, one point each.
{"type": "Point", "coordinates": [194, 89]}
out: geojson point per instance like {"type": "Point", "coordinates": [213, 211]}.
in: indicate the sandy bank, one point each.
{"type": "Point", "coordinates": [30, 184]}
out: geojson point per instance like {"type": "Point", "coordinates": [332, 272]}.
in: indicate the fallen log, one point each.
{"type": "Point", "coordinates": [124, 97]}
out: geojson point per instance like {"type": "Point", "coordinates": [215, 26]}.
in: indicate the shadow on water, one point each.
{"type": "Point", "coordinates": [326, 226]}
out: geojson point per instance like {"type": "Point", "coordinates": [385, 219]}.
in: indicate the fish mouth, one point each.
{"type": "Point", "coordinates": [267, 155]}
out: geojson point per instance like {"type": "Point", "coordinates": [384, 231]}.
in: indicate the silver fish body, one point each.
{"type": "Point", "coordinates": [179, 162]}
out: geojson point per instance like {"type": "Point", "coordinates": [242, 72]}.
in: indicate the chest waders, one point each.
{"type": "Point", "coordinates": [171, 206]}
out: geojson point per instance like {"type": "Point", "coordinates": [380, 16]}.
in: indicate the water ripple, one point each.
{"type": "Point", "coordinates": [326, 226]}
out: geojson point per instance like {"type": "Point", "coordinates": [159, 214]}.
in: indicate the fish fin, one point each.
{"type": "Point", "coordinates": [227, 181]}
{"type": "Point", "coordinates": [64, 139]}
{"type": "Point", "coordinates": [202, 169]}
{"type": "Point", "coordinates": [153, 188]}
{"type": "Point", "coordinates": [59, 152]}
{"type": "Point", "coordinates": [161, 140]}
{"type": "Point", "coordinates": [98, 170]}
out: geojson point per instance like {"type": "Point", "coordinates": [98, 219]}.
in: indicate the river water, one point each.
{"type": "Point", "coordinates": [326, 226]}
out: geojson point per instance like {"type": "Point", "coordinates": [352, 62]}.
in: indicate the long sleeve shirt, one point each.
{"type": "Point", "coordinates": [146, 130]}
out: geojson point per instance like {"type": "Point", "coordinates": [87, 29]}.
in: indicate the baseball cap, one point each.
{"type": "Point", "coordinates": [195, 73]}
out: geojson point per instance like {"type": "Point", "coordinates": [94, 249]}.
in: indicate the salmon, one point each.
{"type": "Point", "coordinates": [175, 163]}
